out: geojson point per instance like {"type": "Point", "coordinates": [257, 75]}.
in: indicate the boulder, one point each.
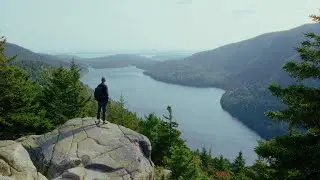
{"type": "Point", "coordinates": [81, 150]}
{"type": "Point", "coordinates": [15, 163]}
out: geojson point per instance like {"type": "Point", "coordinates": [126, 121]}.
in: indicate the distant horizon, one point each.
{"type": "Point", "coordinates": [138, 53]}
{"type": "Point", "coordinates": [144, 25]}
{"type": "Point", "coordinates": [122, 52]}
{"type": "Point", "coordinates": [142, 51]}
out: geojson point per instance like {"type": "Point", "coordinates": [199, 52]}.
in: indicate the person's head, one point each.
{"type": "Point", "coordinates": [103, 79]}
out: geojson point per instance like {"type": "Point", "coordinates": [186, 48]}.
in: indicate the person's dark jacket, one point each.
{"type": "Point", "coordinates": [105, 97]}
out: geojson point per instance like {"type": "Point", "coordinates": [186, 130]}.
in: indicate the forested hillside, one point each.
{"type": "Point", "coordinates": [244, 69]}
{"type": "Point", "coordinates": [33, 62]}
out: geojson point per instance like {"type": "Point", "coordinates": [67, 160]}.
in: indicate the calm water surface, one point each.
{"type": "Point", "coordinates": [201, 119]}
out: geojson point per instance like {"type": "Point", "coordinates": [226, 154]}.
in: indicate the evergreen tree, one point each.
{"type": "Point", "coordinates": [150, 127]}
{"type": "Point", "coordinates": [221, 164]}
{"type": "Point", "coordinates": [64, 96]}
{"type": "Point", "coordinates": [239, 164]}
{"type": "Point", "coordinates": [160, 132]}
{"type": "Point", "coordinates": [184, 165]}
{"type": "Point", "coordinates": [43, 75]}
{"type": "Point", "coordinates": [118, 114]}
{"type": "Point", "coordinates": [20, 113]}
{"type": "Point", "coordinates": [262, 171]}
{"type": "Point", "coordinates": [238, 168]}
{"type": "Point", "coordinates": [171, 123]}
{"type": "Point", "coordinates": [296, 155]}
{"type": "Point", "coordinates": [91, 107]}
{"type": "Point", "coordinates": [207, 160]}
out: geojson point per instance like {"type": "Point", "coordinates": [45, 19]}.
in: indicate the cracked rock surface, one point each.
{"type": "Point", "coordinates": [15, 163]}
{"type": "Point", "coordinates": [80, 150]}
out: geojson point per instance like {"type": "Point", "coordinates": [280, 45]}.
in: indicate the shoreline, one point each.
{"type": "Point", "coordinates": [185, 84]}
{"type": "Point", "coordinates": [208, 86]}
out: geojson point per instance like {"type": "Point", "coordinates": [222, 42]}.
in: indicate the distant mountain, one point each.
{"type": "Point", "coordinates": [166, 57]}
{"type": "Point", "coordinates": [220, 66]}
{"type": "Point", "coordinates": [244, 69]}
{"type": "Point", "coordinates": [33, 62]}
{"type": "Point", "coordinates": [67, 56]}
{"type": "Point", "coordinates": [118, 60]}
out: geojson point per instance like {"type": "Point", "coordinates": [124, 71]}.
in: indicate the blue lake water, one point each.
{"type": "Point", "coordinates": [197, 110]}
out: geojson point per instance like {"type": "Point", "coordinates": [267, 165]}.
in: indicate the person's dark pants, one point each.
{"type": "Point", "coordinates": [103, 106]}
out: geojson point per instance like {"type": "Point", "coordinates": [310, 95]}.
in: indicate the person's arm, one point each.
{"type": "Point", "coordinates": [107, 93]}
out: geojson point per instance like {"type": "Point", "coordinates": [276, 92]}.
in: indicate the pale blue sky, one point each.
{"type": "Point", "coordinates": [106, 25]}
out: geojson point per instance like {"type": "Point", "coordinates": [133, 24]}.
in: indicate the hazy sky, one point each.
{"type": "Point", "coordinates": [104, 25]}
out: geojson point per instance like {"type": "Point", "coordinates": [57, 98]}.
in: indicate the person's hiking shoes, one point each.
{"type": "Point", "coordinates": [97, 122]}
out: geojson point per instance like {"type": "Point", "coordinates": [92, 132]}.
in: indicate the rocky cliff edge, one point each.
{"type": "Point", "coordinates": [78, 150]}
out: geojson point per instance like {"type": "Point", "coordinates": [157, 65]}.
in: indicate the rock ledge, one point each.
{"type": "Point", "coordinates": [81, 150]}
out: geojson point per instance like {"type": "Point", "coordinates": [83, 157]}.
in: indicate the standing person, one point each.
{"type": "Point", "coordinates": [102, 96]}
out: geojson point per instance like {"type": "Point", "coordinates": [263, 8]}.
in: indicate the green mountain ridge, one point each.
{"type": "Point", "coordinates": [33, 62]}
{"type": "Point", "coordinates": [244, 69]}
